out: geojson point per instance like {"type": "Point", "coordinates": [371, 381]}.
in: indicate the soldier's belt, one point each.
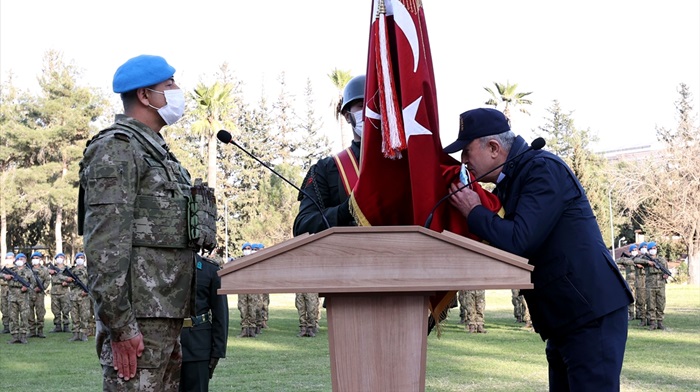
{"type": "Point", "coordinates": [197, 320]}
{"type": "Point", "coordinates": [160, 222]}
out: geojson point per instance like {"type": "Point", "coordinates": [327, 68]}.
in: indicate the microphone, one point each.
{"type": "Point", "coordinates": [536, 144]}
{"type": "Point", "coordinates": [226, 138]}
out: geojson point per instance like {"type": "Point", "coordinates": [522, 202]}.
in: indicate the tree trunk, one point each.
{"type": "Point", "coordinates": [211, 161]}
{"type": "Point", "coordinates": [59, 230]}
{"type": "Point", "coordinates": [694, 263]}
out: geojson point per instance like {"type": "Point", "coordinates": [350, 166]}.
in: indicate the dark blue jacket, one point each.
{"type": "Point", "coordinates": [550, 222]}
{"type": "Point", "coordinates": [207, 340]}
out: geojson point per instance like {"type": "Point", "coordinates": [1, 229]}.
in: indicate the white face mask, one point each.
{"type": "Point", "coordinates": [652, 252]}
{"type": "Point", "coordinates": [174, 105]}
{"type": "Point", "coordinates": [359, 122]}
{"type": "Point", "coordinates": [79, 262]}
{"type": "Point", "coordinates": [19, 263]}
{"type": "Point", "coordinates": [60, 260]}
{"type": "Point", "coordinates": [36, 261]}
{"type": "Point", "coordinates": [247, 252]}
{"type": "Point", "coordinates": [643, 250]}
{"type": "Point", "coordinates": [9, 261]}
{"type": "Point", "coordinates": [634, 253]}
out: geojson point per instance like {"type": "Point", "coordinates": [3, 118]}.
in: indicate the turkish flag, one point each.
{"type": "Point", "coordinates": [403, 170]}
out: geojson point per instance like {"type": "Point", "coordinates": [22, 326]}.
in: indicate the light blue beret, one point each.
{"type": "Point", "coordinates": [141, 71]}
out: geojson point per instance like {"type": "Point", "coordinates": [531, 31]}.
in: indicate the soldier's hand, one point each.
{"type": "Point", "coordinates": [52, 272]}
{"type": "Point", "coordinates": [64, 284]}
{"type": "Point", "coordinates": [212, 365]}
{"type": "Point", "coordinates": [24, 289]}
{"type": "Point", "coordinates": [125, 354]}
{"type": "Point", "coordinates": [36, 289]}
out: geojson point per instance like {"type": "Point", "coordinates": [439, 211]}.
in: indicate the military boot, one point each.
{"type": "Point", "coordinates": [643, 323]}
{"type": "Point", "coordinates": [310, 332]}
{"type": "Point", "coordinates": [251, 332]}
{"type": "Point", "coordinates": [56, 328]}
{"type": "Point", "coordinates": [6, 328]}
{"type": "Point", "coordinates": [471, 328]}
{"type": "Point", "coordinates": [480, 329]}
{"type": "Point", "coordinates": [23, 338]}
{"type": "Point", "coordinates": [244, 333]}
{"type": "Point", "coordinates": [302, 332]}
{"type": "Point", "coordinates": [258, 330]}
{"type": "Point", "coordinates": [75, 337]}
{"type": "Point", "coordinates": [66, 328]}
{"type": "Point", "coordinates": [83, 337]}
{"type": "Point", "coordinates": [14, 340]}
{"type": "Point", "coordinates": [33, 333]}
{"type": "Point", "coordinates": [660, 325]}
{"type": "Point", "coordinates": [40, 333]}
{"type": "Point", "coordinates": [652, 325]}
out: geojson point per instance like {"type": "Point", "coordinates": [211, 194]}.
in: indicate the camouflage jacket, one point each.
{"type": "Point", "coordinates": [43, 274]}
{"type": "Point", "coordinates": [81, 273]}
{"type": "Point", "coordinates": [24, 272]}
{"type": "Point", "coordinates": [135, 228]}
{"type": "Point", "coordinates": [655, 277]}
{"type": "Point", "coordinates": [629, 267]}
{"type": "Point", "coordinates": [57, 287]}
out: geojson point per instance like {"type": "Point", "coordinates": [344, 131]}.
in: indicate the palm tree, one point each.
{"type": "Point", "coordinates": [339, 78]}
{"type": "Point", "coordinates": [214, 105]}
{"type": "Point", "coordinates": [507, 94]}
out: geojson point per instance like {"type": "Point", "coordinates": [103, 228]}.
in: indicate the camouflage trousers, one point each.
{"type": "Point", "coordinates": [474, 302]}
{"type": "Point", "coordinates": [37, 311]}
{"type": "Point", "coordinates": [640, 299]}
{"type": "Point", "coordinates": [520, 310]}
{"type": "Point", "coordinates": [249, 305]}
{"type": "Point", "coordinates": [656, 303]}
{"type": "Point", "coordinates": [307, 307]}
{"type": "Point", "coordinates": [158, 368]}
{"type": "Point", "coordinates": [19, 311]}
{"type": "Point", "coordinates": [264, 309]}
{"type": "Point", "coordinates": [61, 307]}
{"type": "Point", "coordinates": [80, 311]}
{"type": "Point", "coordinates": [5, 304]}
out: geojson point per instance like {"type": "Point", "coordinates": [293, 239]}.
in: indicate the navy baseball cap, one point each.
{"type": "Point", "coordinates": [477, 123]}
{"type": "Point", "coordinates": [141, 71]}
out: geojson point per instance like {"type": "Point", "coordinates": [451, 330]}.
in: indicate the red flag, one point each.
{"type": "Point", "coordinates": [403, 170]}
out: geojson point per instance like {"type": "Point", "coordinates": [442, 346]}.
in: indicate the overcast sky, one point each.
{"type": "Point", "coordinates": [616, 64]}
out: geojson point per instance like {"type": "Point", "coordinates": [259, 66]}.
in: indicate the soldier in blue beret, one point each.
{"type": "Point", "coordinates": [133, 214]}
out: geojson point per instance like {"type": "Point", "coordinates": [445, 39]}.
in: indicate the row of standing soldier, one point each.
{"type": "Point", "coordinates": [646, 274]}
{"type": "Point", "coordinates": [23, 290]}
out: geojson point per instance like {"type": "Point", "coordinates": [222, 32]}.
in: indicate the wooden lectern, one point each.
{"type": "Point", "coordinates": [377, 282]}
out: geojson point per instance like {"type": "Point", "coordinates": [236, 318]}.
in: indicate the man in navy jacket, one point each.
{"type": "Point", "coordinates": [579, 301]}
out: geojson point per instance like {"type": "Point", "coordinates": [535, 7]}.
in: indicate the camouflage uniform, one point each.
{"type": "Point", "coordinates": [80, 305]}
{"type": "Point", "coordinates": [249, 305]}
{"type": "Point", "coordinates": [19, 305]}
{"type": "Point", "coordinates": [141, 266]}
{"type": "Point", "coordinates": [520, 310]}
{"type": "Point", "coordinates": [37, 306]}
{"type": "Point", "coordinates": [640, 291]}
{"type": "Point", "coordinates": [307, 307]}
{"type": "Point", "coordinates": [60, 301]}
{"type": "Point", "coordinates": [474, 302]}
{"type": "Point", "coordinates": [656, 293]}
{"type": "Point", "coordinates": [630, 272]}
{"type": "Point", "coordinates": [5, 305]}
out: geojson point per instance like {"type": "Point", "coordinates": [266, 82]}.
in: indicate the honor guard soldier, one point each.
{"type": "Point", "coordinates": [204, 336]}
{"type": "Point", "coordinates": [19, 280]}
{"type": "Point", "coordinates": [41, 280]}
{"type": "Point", "coordinates": [5, 294]}
{"type": "Point", "coordinates": [60, 295]}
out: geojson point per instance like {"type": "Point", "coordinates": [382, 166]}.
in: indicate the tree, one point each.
{"type": "Point", "coordinates": [573, 146]}
{"type": "Point", "coordinates": [317, 145]}
{"type": "Point", "coordinates": [214, 107]}
{"type": "Point", "coordinates": [508, 95]}
{"type": "Point", "coordinates": [340, 78]}
{"type": "Point", "coordinates": [664, 187]}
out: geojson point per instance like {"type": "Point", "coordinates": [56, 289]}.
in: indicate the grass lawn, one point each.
{"type": "Point", "coordinates": [507, 358]}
